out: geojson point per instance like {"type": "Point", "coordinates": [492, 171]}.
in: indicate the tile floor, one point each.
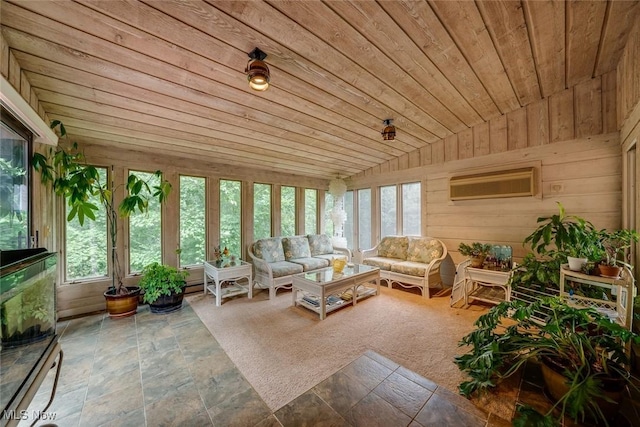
{"type": "Point", "coordinates": [168, 370]}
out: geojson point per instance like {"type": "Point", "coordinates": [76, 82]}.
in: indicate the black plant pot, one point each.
{"type": "Point", "coordinates": [167, 303]}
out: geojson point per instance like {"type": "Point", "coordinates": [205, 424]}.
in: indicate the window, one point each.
{"type": "Point", "coordinates": [364, 219]}
{"type": "Point", "coordinates": [15, 215]}
{"type": "Point", "coordinates": [145, 230]}
{"type": "Point", "coordinates": [193, 226]}
{"type": "Point", "coordinates": [86, 245]}
{"type": "Point", "coordinates": [411, 209]}
{"type": "Point", "coordinates": [230, 216]}
{"type": "Point", "coordinates": [310, 211]}
{"type": "Point", "coordinates": [287, 211]}
{"type": "Point", "coordinates": [261, 211]}
{"type": "Point", "coordinates": [388, 211]}
{"type": "Point", "coordinates": [348, 225]}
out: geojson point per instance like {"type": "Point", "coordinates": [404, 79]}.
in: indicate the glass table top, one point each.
{"type": "Point", "coordinates": [326, 275]}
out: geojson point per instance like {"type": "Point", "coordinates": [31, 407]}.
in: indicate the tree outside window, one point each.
{"type": "Point", "coordinates": [411, 209]}
{"type": "Point", "coordinates": [287, 211]}
{"type": "Point", "coordinates": [145, 230]}
{"type": "Point", "coordinates": [230, 216]}
{"type": "Point", "coordinates": [364, 218]}
{"type": "Point", "coordinates": [261, 211]}
{"type": "Point", "coordinates": [310, 211]}
{"type": "Point", "coordinates": [192, 220]}
{"type": "Point", "coordinates": [388, 211]}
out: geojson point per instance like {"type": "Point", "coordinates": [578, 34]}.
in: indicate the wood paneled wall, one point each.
{"type": "Point", "coordinates": [586, 109]}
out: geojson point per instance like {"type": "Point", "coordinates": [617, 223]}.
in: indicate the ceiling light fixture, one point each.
{"type": "Point", "coordinates": [389, 131]}
{"type": "Point", "coordinates": [257, 71]}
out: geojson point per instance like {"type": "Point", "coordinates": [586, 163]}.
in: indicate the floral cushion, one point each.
{"type": "Point", "coordinates": [269, 249]}
{"type": "Point", "coordinates": [423, 249]}
{"type": "Point", "coordinates": [410, 268]}
{"type": "Point", "coordinates": [320, 244]}
{"type": "Point", "coordinates": [285, 268]}
{"type": "Point", "coordinates": [296, 247]}
{"type": "Point", "coordinates": [381, 262]}
{"type": "Point", "coordinates": [309, 264]}
{"type": "Point", "coordinates": [393, 247]}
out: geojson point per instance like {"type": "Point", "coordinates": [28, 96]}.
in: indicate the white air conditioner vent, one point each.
{"type": "Point", "coordinates": [490, 185]}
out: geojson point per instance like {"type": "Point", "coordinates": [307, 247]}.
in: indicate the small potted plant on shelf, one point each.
{"type": "Point", "coordinates": [477, 251]}
{"type": "Point", "coordinates": [163, 287]}
{"type": "Point", "coordinates": [581, 354]}
{"type": "Point", "coordinates": [615, 243]}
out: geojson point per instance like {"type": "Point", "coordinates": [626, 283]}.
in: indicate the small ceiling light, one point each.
{"type": "Point", "coordinates": [257, 71]}
{"type": "Point", "coordinates": [389, 131]}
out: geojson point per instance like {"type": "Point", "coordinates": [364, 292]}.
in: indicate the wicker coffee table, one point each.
{"type": "Point", "coordinates": [324, 290]}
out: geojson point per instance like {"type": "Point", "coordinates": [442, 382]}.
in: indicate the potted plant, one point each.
{"type": "Point", "coordinates": [568, 238]}
{"type": "Point", "coordinates": [67, 172]}
{"type": "Point", "coordinates": [615, 243]}
{"type": "Point", "coordinates": [163, 287]}
{"type": "Point", "coordinates": [477, 251]}
{"type": "Point", "coordinates": [581, 352]}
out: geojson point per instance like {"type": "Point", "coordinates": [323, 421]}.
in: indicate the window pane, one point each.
{"type": "Point", "coordinates": [388, 214]}
{"type": "Point", "coordinates": [14, 190]}
{"type": "Point", "coordinates": [364, 219]}
{"type": "Point", "coordinates": [86, 245]}
{"type": "Point", "coordinates": [287, 211]}
{"type": "Point", "coordinates": [348, 225]}
{"type": "Point", "coordinates": [328, 221]}
{"type": "Point", "coordinates": [145, 230]}
{"type": "Point", "coordinates": [192, 220]}
{"type": "Point", "coordinates": [230, 219]}
{"type": "Point", "coordinates": [261, 211]}
{"type": "Point", "coordinates": [310, 211]}
{"type": "Point", "coordinates": [411, 209]}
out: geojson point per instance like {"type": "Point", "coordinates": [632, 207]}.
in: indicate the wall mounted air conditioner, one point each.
{"type": "Point", "coordinates": [11, 100]}
{"type": "Point", "coordinates": [491, 185]}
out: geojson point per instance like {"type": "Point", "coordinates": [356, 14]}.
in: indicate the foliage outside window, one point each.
{"type": "Point", "coordinates": [14, 190]}
{"type": "Point", "coordinates": [348, 225]}
{"type": "Point", "coordinates": [364, 218]}
{"type": "Point", "coordinates": [193, 211]}
{"type": "Point", "coordinates": [310, 211]}
{"type": "Point", "coordinates": [145, 230]}
{"type": "Point", "coordinates": [328, 206]}
{"type": "Point", "coordinates": [287, 211]}
{"type": "Point", "coordinates": [261, 211]}
{"type": "Point", "coordinates": [388, 211]}
{"type": "Point", "coordinates": [411, 209]}
{"type": "Point", "coordinates": [86, 251]}
{"type": "Point", "coordinates": [230, 216]}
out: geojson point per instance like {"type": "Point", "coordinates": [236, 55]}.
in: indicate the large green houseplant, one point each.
{"type": "Point", "coordinates": [68, 174]}
{"type": "Point", "coordinates": [580, 345]}
{"type": "Point", "coordinates": [163, 287]}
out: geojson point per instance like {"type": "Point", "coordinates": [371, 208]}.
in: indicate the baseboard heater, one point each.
{"type": "Point", "coordinates": [491, 185]}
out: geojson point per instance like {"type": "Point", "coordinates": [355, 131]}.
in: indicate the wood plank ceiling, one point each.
{"type": "Point", "coordinates": [169, 75]}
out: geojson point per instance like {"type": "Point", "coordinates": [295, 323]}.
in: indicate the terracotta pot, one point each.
{"type": "Point", "coordinates": [612, 272]}
{"type": "Point", "coordinates": [122, 305]}
{"type": "Point", "coordinates": [477, 261]}
{"type": "Point", "coordinates": [556, 385]}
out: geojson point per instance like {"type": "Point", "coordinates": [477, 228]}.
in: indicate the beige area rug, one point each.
{"type": "Point", "coordinates": [284, 351]}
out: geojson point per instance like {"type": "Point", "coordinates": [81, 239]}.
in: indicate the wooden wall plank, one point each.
{"type": "Point", "coordinates": [451, 148]}
{"type": "Point", "coordinates": [14, 72]}
{"type": "Point", "coordinates": [619, 18]}
{"type": "Point", "coordinates": [609, 102]}
{"type": "Point", "coordinates": [437, 152]}
{"type": "Point", "coordinates": [425, 155]}
{"type": "Point", "coordinates": [628, 78]}
{"type": "Point", "coordinates": [517, 129]}
{"type": "Point", "coordinates": [588, 107]}
{"type": "Point", "coordinates": [538, 123]}
{"type": "Point", "coordinates": [481, 146]}
{"type": "Point", "coordinates": [4, 57]}
{"type": "Point", "coordinates": [465, 144]}
{"type": "Point", "coordinates": [25, 87]}
{"type": "Point", "coordinates": [414, 158]}
{"type": "Point", "coordinates": [498, 134]}
{"type": "Point", "coordinates": [546, 20]}
{"type": "Point", "coordinates": [561, 120]}
{"type": "Point", "coordinates": [403, 162]}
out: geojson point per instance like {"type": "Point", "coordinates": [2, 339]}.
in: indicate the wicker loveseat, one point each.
{"type": "Point", "coordinates": [276, 259]}
{"type": "Point", "coordinates": [409, 261]}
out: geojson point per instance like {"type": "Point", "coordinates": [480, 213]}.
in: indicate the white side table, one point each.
{"type": "Point", "coordinates": [219, 275]}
